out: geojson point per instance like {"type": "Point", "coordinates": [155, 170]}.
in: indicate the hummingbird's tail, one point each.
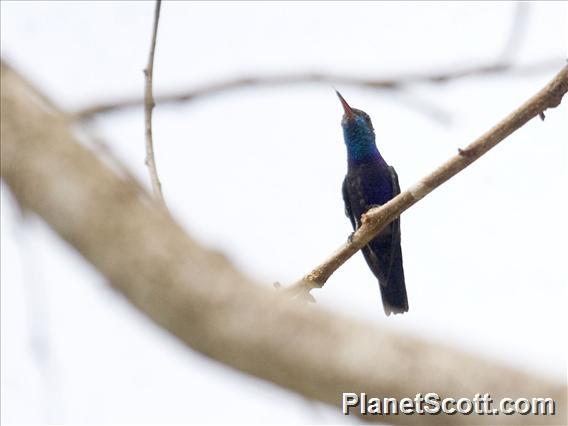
{"type": "Point", "coordinates": [393, 288]}
{"type": "Point", "coordinates": [390, 275]}
{"type": "Point", "coordinates": [384, 257]}
{"type": "Point", "coordinates": [394, 297]}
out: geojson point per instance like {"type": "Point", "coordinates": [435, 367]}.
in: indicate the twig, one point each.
{"type": "Point", "coordinates": [517, 32]}
{"type": "Point", "coordinates": [307, 77]}
{"type": "Point", "coordinates": [377, 218]}
{"type": "Point", "coordinates": [148, 108]}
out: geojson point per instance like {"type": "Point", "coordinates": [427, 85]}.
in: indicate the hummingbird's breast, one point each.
{"type": "Point", "coordinates": [368, 185]}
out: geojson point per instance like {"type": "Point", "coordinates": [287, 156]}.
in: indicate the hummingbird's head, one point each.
{"type": "Point", "coordinates": [357, 129]}
{"type": "Point", "coordinates": [353, 116]}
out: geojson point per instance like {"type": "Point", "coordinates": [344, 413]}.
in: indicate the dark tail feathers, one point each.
{"type": "Point", "coordinates": [394, 297]}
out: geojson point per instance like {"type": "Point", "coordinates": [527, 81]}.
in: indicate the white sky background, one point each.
{"type": "Point", "coordinates": [257, 173]}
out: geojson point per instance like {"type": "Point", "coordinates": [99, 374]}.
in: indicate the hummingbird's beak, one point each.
{"type": "Point", "coordinates": [348, 111]}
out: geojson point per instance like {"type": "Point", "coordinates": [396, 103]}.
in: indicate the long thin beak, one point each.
{"type": "Point", "coordinates": [348, 111]}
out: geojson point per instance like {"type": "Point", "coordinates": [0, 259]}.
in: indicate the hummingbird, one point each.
{"type": "Point", "coordinates": [371, 182]}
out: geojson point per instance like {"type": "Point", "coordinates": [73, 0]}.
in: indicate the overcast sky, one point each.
{"type": "Point", "coordinates": [257, 174]}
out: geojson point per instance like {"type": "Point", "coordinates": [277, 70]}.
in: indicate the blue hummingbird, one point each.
{"type": "Point", "coordinates": [371, 182]}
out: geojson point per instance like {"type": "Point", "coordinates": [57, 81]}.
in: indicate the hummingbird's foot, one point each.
{"type": "Point", "coordinates": [350, 237]}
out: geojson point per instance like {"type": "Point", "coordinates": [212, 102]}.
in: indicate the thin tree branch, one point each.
{"type": "Point", "coordinates": [201, 298]}
{"type": "Point", "coordinates": [389, 83]}
{"type": "Point", "coordinates": [377, 218]}
{"type": "Point", "coordinates": [148, 108]}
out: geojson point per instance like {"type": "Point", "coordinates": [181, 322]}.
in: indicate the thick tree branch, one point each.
{"type": "Point", "coordinates": [402, 80]}
{"type": "Point", "coordinates": [200, 297]}
{"type": "Point", "coordinates": [377, 218]}
{"type": "Point", "coordinates": [148, 108]}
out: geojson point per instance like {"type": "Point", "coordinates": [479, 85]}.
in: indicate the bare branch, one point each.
{"type": "Point", "coordinates": [389, 83]}
{"type": "Point", "coordinates": [201, 298]}
{"type": "Point", "coordinates": [148, 108]}
{"type": "Point", "coordinates": [376, 219]}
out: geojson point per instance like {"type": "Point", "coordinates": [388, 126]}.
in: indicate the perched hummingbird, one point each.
{"type": "Point", "coordinates": [371, 182]}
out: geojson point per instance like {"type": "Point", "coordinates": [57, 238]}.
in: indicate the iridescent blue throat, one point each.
{"type": "Point", "coordinates": [360, 140]}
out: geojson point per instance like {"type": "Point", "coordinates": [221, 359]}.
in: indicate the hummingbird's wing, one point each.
{"type": "Point", "coordinates": [395, 227]}
{"type": "Point", "coordinates": [393, 290]}
{"type": "Point", "coordinates": [347, 201]}
{"type": "Point", "coordinates": [384, 257]}
{"type": "Point", "coordinates": [383, 254]}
